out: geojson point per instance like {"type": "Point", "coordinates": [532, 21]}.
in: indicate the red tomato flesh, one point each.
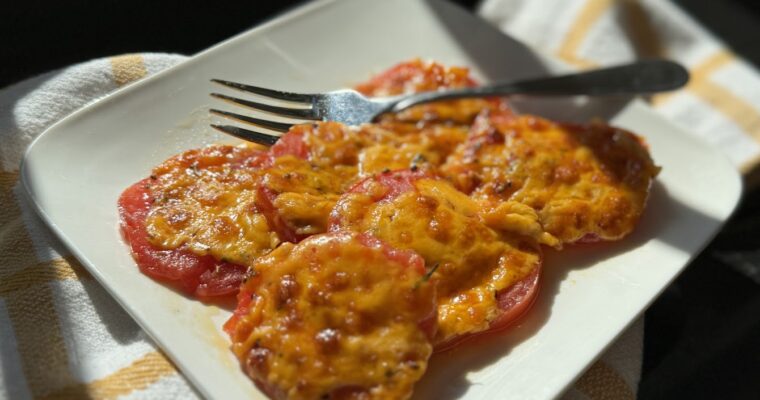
{"type": "Point", "coordinates": [202, 276]}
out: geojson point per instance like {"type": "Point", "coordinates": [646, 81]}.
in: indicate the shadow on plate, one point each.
{"type": "Point", "coordinates": [498, 57]}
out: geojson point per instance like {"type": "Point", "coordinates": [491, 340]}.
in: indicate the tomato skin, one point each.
{"type": "Point", "coordinates": [405, 257]}
{"type": "Point", "coordinates": [395, 183]}
{"type": "Point", "coordinates": [291, 143]}
{"type": "Point", "coordinates": [202, 276]}
{"type": "Point", "coordinates": [415, 76]}
{"type": "Point", "coordinates": [220, 280]}
{"type": "Point", "coordinates": [514, 302]}
{"type": "Point", "coordinates": [391, 185]}
{"type": "Point", "coordinates": [244, 299]}
{"type": "Point", "coordinates": [265, 198]}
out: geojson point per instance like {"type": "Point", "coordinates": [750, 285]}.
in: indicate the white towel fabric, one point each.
{"type": "Point", "coordinates": [62, 336]}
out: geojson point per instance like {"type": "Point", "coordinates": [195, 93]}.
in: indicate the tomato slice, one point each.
{"type": "Point", "coordinates": [265, 204]}
{"type": "Point", "coordinates": [338, 315]}
{"type": "Point", "coordinates": [586, 183]}
{"type": "Point", "coordinates": [416, 76]}
{"type": "Point", "coordinates": [291, 143]}
{"type": "Point", "coordinates": [244, 298]}
{"type": "Point", "coordinates": [486, 279]}
{"type": "Point", "coordinates": [202, 276]}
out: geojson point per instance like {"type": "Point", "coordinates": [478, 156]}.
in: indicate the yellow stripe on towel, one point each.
{"type": "Point", "coordinates": [699, 73]}
{"type": "Point", "coordinates": [733, 107]}
{"type": "Point", "coordinates": [590, 13]}
{"type": "Point", "coordinates": [39, 339]}
{"type": "Point", "coordinates": [16, 246]}
{"type": "Point", "coordinates": [42, 273]}
{"type": "Point", "coordinates": [142, 373]}
{"type": "Point", "coordinates": [127, 68]}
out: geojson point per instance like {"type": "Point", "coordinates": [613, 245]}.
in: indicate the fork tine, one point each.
{"type": "Point", "coordinates": [304, 113]}
{"type": "Point", "coordinates": [275, 126]}
{"type": "Point", "coordinates": [245, 134]}
{"type": "Point", "coordinates": [275, 94]}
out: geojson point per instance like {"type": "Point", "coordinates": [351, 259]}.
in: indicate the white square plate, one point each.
{"type": "Point", "coordinates": [76, 170]}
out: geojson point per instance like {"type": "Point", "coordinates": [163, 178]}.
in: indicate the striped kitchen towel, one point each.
{"type": "Point", "coordinates": [62, 336]}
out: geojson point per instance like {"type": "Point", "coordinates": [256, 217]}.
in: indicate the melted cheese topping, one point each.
{"type": "Point", "coordinates": [209, 203]}
{"type": "Point", "coordinates": [373, 148]}
{"type": "Point", "coordinates": [585, 182]}
{"type": "Point", "coordinates": [333, 316]}
{"type": "Point", "coordinates": [305, 193]}
{"type": "Point", "coordinates": [205, 202]}
{"type": "Point", "coordinates": [338, 155]}
{"type": "Point", "coordinates": [472, 261]}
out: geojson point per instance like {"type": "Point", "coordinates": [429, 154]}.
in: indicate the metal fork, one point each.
{"type": "Point", "coordinates": [352, 108]}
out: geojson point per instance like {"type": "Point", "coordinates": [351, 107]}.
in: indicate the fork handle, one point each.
{"type": "Point", "coordinates": [641, 77]}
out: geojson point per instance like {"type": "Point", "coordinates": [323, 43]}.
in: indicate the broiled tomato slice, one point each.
{"type": "Point", "coordinates": [308, 169]}
{"type": "Point", "coordinates": [486, 279]}
{"type": "Point", "coordinates": [338, 315]}
{"type": "Point", "coordinates": [202, 276]}
{"type": "Point", "coordinates": [585, 182]}
{"type": "Point", "coordinates": [265, 204]}
{"type": "Point", "coordinates": [416, 76]}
